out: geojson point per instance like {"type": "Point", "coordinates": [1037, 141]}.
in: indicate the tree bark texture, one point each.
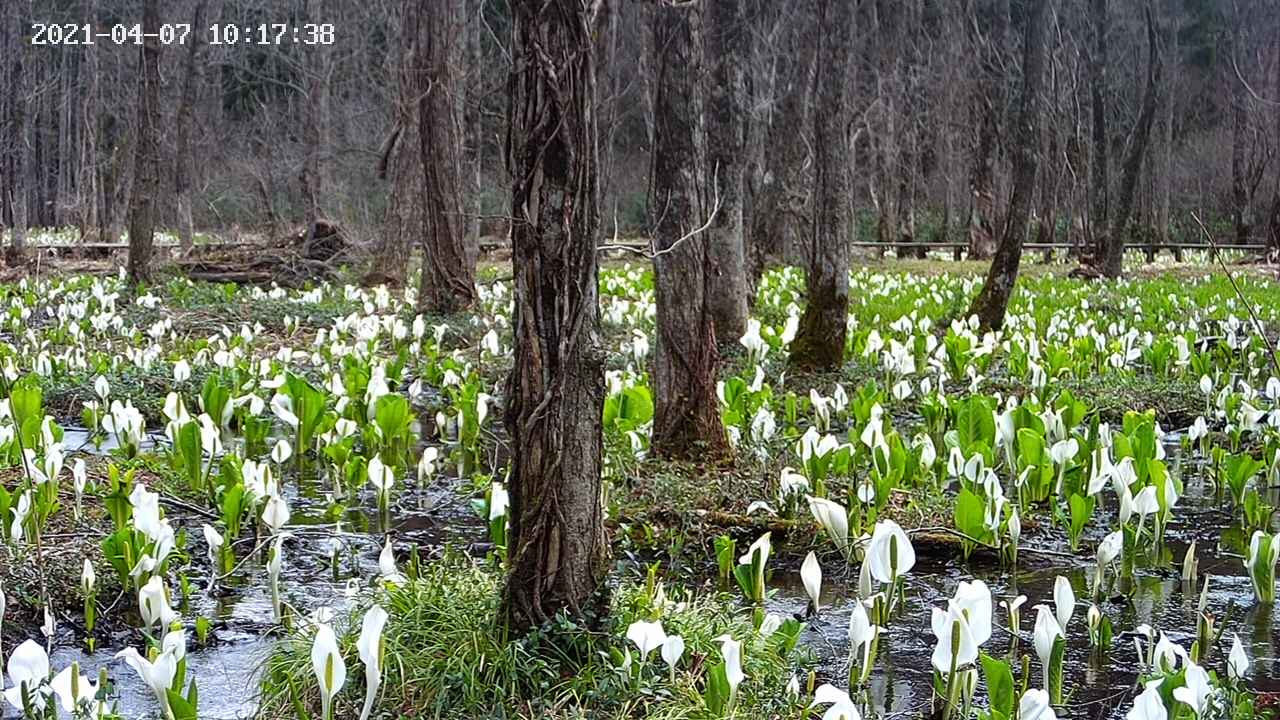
{"type": "Point", "coordinates": [183, 168]}
{"type": "Point", "coordinates": [686, 362]}
{"type": "Point", "coordinates": [1164, 219]}
{"type": "Point", "coordinates": [1273, 232]}
{"type": "Point", "coordinates": [1131, 168]}
{"type": "Point", "coordinates": [993, 300]}
{"type": "Point", "coordinates": [448, 274]}
{"type": "Point", "coordinates": [403, 222]}
{"type": "Point", "coordinates": [557, 552]}
{"type": "Point", "coordinates": [988, 109]}
{"type": "Point", "coordinates": [400, 165]}
{"type": "Point", "coordinates": [315, 129]}
{"type": "Point", "coordinates": [1100, 162]}
{"type": "Point", "coordinates": [780, 209]}
{"type": "Point", "coordinates": [1241, 195]}
{"type": "Point", "coordinates": [819, 341]}
{"type": "Point", "coordinates": [726, 155]}
{"type": "Point", "coordinates": [143, 199]}
{"type": "Point", "coordinates": [17, 141]}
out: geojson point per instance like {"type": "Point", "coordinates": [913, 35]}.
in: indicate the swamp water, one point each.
{"type": "Point", "coordinates": [227, 669]}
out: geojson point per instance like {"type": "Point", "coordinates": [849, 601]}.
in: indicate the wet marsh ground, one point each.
{"type": "Point", "coordinates": [659, 512]}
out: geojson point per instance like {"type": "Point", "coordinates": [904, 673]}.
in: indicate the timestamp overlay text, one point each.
{"type": "Point", "coordinates": [223, 33]}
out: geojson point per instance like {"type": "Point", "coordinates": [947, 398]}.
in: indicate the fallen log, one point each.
{"type": "Point", "coordinates": [307, 256]}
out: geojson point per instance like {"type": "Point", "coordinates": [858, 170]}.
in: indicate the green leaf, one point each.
{"type": "Point", "coordinates": [233, 506]}
{"type": "Point", "coordinates": [746, 580]}
{"type": "Point", "coordinates": [299, 709]}
{"type": "Point", "coordinates": [726, 549]}
{"type": "Point", "coordinates": [1057, 659]}
{"type": "Point", "coordinates": [26, 400]}
{"type": "Point", "coordinates": [717, 694]}
{"type": "Point", "coordinates": [392, 414]}
{"type": "Point", "coordinates": [1081, 512]}
{"type": "Point", "coordinates": [628, 409]}
{"type": "Point", "coordinates": [999, 678]}
{"type": "Point", "coordinates": [1030, 447]}
{"type": "Point", "coordinates": [178, 705]}
{"type": "Point", "coordinates": [970, 514]}
{"type": "Point", "coordinates": [190, 453]}
{"type": "Point", "coordinates": [975, 423]}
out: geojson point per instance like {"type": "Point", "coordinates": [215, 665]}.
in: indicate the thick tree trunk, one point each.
{"type": "Point", "coordinates": [448, 274]}
{"type": "Point", "coordinates": [1113, 259]}
{"type": "Point", "coordinates": [557, 553]}
{"type": "Point", "coordinates": [1099, 162]}
{"type": "Point", "coordinates": [819, 342]}
{"type": "Point", "coordinates": [400, 165]}
{"type": "Point", "coordinates": [762, 82]}
{"type": "Point", "coordinates": [726, 241]}
{"type": "Point", "coordinates": [183, 167]}
{"type": "Point", "coordinates": [915, 158]}
{"type": "Point", "coordinates": [686, 420]}
{"type": "Point", "coordinates": [988, 109]}
{"type": "Point", "coordinates": [143, 199]}
{"type": "Point", "coordinates": [402, 224]}
{"type": "Point", "coordinates": [993, 301]}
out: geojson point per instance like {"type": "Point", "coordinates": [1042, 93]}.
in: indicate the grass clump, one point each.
{"type": "Point", "coordinates": [447, 656]}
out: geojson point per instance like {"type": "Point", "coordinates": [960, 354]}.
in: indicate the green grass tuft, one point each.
{"type": "Point", "coordinates": [447, 657]}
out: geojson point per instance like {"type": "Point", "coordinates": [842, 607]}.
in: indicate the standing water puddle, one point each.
{"type": "Point", "coordinates": [1095, 686]}
{"type": "Point", "coordinates": [227, 669]}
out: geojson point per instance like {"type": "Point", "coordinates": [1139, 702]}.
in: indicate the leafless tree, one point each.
{"type": "Point", "coordinates": [726, 43]}
{"type": "Point", "coordinates": [555, 393]}
{"type": "Point", "coordinates": [143, 201]}
{"type": "Point", "coordinates": [819, 342]}
{"type": "Point", "coordinates": [992, 302]}
{"type": "Point", "coordinates": [686, 362]}
{"type": "Point", "coordinates": [448, 271]}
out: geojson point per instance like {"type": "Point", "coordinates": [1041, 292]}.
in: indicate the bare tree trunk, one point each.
{"type": "Point", "coordinates": [143, 198]}
{"type": "Point", "coordinates": [686, 420]}
{"type": "Point", "coordinates": [1047, 215]}
{"type": "Point", "coordinates": [111, 177]}
{"type": "Point", "coordinates": [762, 100]}
{"type": "Point", "coordinates": [1113, 259]}
{"type": "Point", "coordinates": [183, 167]}
{"type": "Point", "coordinates": [1241, 207]}
{"type": "Point", "coordinates": [1099, 165]}
{"type": "Point", "coordinates": [781, 203]}
{"type": "Point", "coordinates": [993, 300]}
{"type": "Point", "coordinates": [89, 135]}
{"type": "Point", "coordinates": [1164, 215]}
{"type": "Point", "coordinates": [315, 130]}
{"type": "Point", "coordinates": [1273, 235]}
{"type": "Point", "coordinates": [21, 146]}
{"type": "Point", "coordinates": [914, 160]}
{"type": "Point", "coordinates": [400, 164]}
{"type": "Point", "coordinates": [726, 241]}
{"type": "Point", "coordinates": [402, 224]}
{"type": "Point", "coordinates": [448, 274]}
{"type": "Point", "coordinates": [819, 341]}
{"type": "Point", "coordinates": [557, 552]}
{"type": "Point", "coordinates": [988, 106]}
{"type": "Point", "coordinates": [474, 118]}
